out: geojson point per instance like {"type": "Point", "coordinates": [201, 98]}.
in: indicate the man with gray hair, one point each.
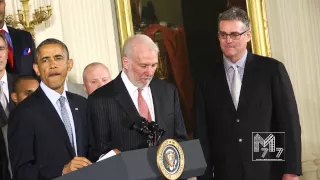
{"type": "Point", "coordinates": [247, 97]}
{"type": "Point", "coordinates": [132, 96]}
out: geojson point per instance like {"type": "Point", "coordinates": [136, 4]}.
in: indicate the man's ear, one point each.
{"type": "Point", "coordinates": [14, 97]}
{"type": "Point", "coordinates": [125, 62]}
{"type": "Point", "coordinates": [36, 69]}
{"type": "Point", "coordinates": [248, 36]}
{"type": "Point", "coordinates": [70, 64]}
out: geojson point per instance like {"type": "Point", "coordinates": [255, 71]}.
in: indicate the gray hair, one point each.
{"type": "Point", "coordinates": [138, 39]}
{"type": "Point", "coordinates": [235, 14]}
{"type": "Point", "coordinates": [51, 41]}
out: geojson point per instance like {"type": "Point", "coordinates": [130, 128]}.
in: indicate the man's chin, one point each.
{"type": "Point", "coordinates": [54, 85]}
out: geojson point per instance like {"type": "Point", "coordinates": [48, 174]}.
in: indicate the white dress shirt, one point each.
{"type": "Point", "coordinates": [5, 87]}
{"type": "Point", "coordinates": [54, 99]}
{"type": "Point", "coordinates": [230, 71]}
{"type": "Point", "coordinates": [133, 92]}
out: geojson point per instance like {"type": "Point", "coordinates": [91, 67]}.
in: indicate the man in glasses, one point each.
{"type": "Point", "coordinates": [244, 93]}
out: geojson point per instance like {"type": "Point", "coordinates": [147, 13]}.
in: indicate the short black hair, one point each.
{"type": "Point", "coordinates": [51, 41]}
{"type": "Point", "coordinates": [20, 78]}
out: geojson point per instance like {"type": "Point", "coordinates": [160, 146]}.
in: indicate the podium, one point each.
{"type": "Point", "coordinates": [140, 164]}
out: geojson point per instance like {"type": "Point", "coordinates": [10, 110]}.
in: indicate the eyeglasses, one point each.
{"type": "Point", "coordinates": [233, 35]}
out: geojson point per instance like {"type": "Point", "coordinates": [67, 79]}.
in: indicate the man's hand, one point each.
{"type": "Point", "coordinates": [116, 151]}
{"type": "Point", "coordinates": [290, 177]}
{"type": "Point", "coordinates": [75, 164]}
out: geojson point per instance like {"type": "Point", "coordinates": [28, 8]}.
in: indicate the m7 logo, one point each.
{"type": "Point", "coordinates": [268, 146]}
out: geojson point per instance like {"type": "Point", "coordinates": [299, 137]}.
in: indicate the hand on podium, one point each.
{"type": "Point", "coordinates": [117, 151]}
{"type": "Point", "coordinates": [75, 164]}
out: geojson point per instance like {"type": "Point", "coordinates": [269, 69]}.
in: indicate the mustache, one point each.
{"type": "Point", "coordinates": [147, 77]}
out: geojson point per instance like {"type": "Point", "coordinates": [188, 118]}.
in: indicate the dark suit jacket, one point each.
{"type": "Point", "coordinates": [22, 40]}
{"type": "Point", "coordinates": [111, 103]}
{"type": "Point", "coordinates": [4, 173]}
{"type": "Point", "coordinates": [266, 104]}
{"type": "Point", "coordinates": [38, 141]}
{"type": "Point", "coordinates": [3, 116]}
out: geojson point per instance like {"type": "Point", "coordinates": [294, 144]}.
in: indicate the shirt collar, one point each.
{"type": "Point", "coordinates": [65, 85]}
{"type": "Point", "coordinates": [4, 78]}
{"type": "Point", "coordinates": [51, 94]}
{"type": "Point", "coordinates": [241, 63]}
{"type": "Point", "coordinates": [131, 88]}
{"type": "Point", "coordinates": [5, 28]}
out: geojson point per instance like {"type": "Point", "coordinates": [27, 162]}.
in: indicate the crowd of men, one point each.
{"type": "Point", "coordinates": [51, 127]}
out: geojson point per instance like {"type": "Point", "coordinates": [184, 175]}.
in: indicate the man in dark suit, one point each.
{"type": "Point", "coordinates": [6, 81]}
{"type": "Point", "coordinates": [20, 47]}
{"type": "Point", "coordinates": [134, 93]}
{"type": "Point", "coordinates": [48, 132]}
{"type": "Point", "coordinates": [245, 93]}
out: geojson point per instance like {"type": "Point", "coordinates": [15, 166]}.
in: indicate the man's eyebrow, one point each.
{"type": "Point", "coordinates": [58, 55]}
{"type": "Point", "coordinates": [45, 57]}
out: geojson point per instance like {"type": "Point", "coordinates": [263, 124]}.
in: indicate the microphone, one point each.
{"type": "Point", "coordinates": [140, 127]}
{"type": "Point", "coordinates": [154, 128]}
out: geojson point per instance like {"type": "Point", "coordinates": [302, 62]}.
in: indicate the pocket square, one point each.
{"type": "Point", "coordinates": [27, 51]}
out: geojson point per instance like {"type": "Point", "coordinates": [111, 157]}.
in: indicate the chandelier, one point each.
{"type": "Point", "coordinates": [42, 13]}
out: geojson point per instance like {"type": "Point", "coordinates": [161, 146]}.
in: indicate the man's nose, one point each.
{"type": "Point", "coordinates": [229, 40]}
{"type": "Point", "coordinates": [150, 71]}
{"type": "Point", "coordinates": [52, 63]}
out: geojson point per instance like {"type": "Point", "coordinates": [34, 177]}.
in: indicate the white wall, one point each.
{"type": "Point", "coordinates": [88, 29]}
{"type": "Point", "coordinates": [294, 28]}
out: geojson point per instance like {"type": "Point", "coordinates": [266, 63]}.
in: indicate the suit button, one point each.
{"type": "Point", "coordinates": [240, 140]}
{"type": "Point", "coordinates": [238, 120]}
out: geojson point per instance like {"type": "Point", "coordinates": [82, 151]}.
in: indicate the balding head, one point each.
{"type": "Point", "coordinates": [95, 75]}
{"type": "Point", "coordinates": [140, 59]}
{"type": "Point", "coordinates": [137, 41]}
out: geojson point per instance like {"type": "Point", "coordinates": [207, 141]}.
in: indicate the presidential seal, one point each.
{"type": "Point", "coordinates": [170, 159]}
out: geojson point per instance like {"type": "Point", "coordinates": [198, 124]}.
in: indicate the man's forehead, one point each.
{"type": "Point", "coordinates": [28, 82]}
{"type": "Point", "coordinates": [2, 43]}
{"type": "Point", "coordinates": [53, 49]}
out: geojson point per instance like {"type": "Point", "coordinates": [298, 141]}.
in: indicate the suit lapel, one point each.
{"type": "Point", "coordinates": [10, 85]}
{"type": "Point", "coordinates": [247, 81]}
{"type": "Point", "coordinates": [77, 123]}
{"type": "Point", "coordinates": [157, 101]}
{"type": "Point", "coordinates": [54, 119]}
{"type": "Point", "coordinates": [124, 99]}
{"type": "Point", "coordinates": [16, 46]}
{"type": "Point", "coordinates": [11, 104]}
{"type": "Point", "coordinates": [221, 80]}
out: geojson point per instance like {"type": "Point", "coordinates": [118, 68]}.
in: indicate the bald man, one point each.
{"type": "Point", "coordinates": [95, 75]}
